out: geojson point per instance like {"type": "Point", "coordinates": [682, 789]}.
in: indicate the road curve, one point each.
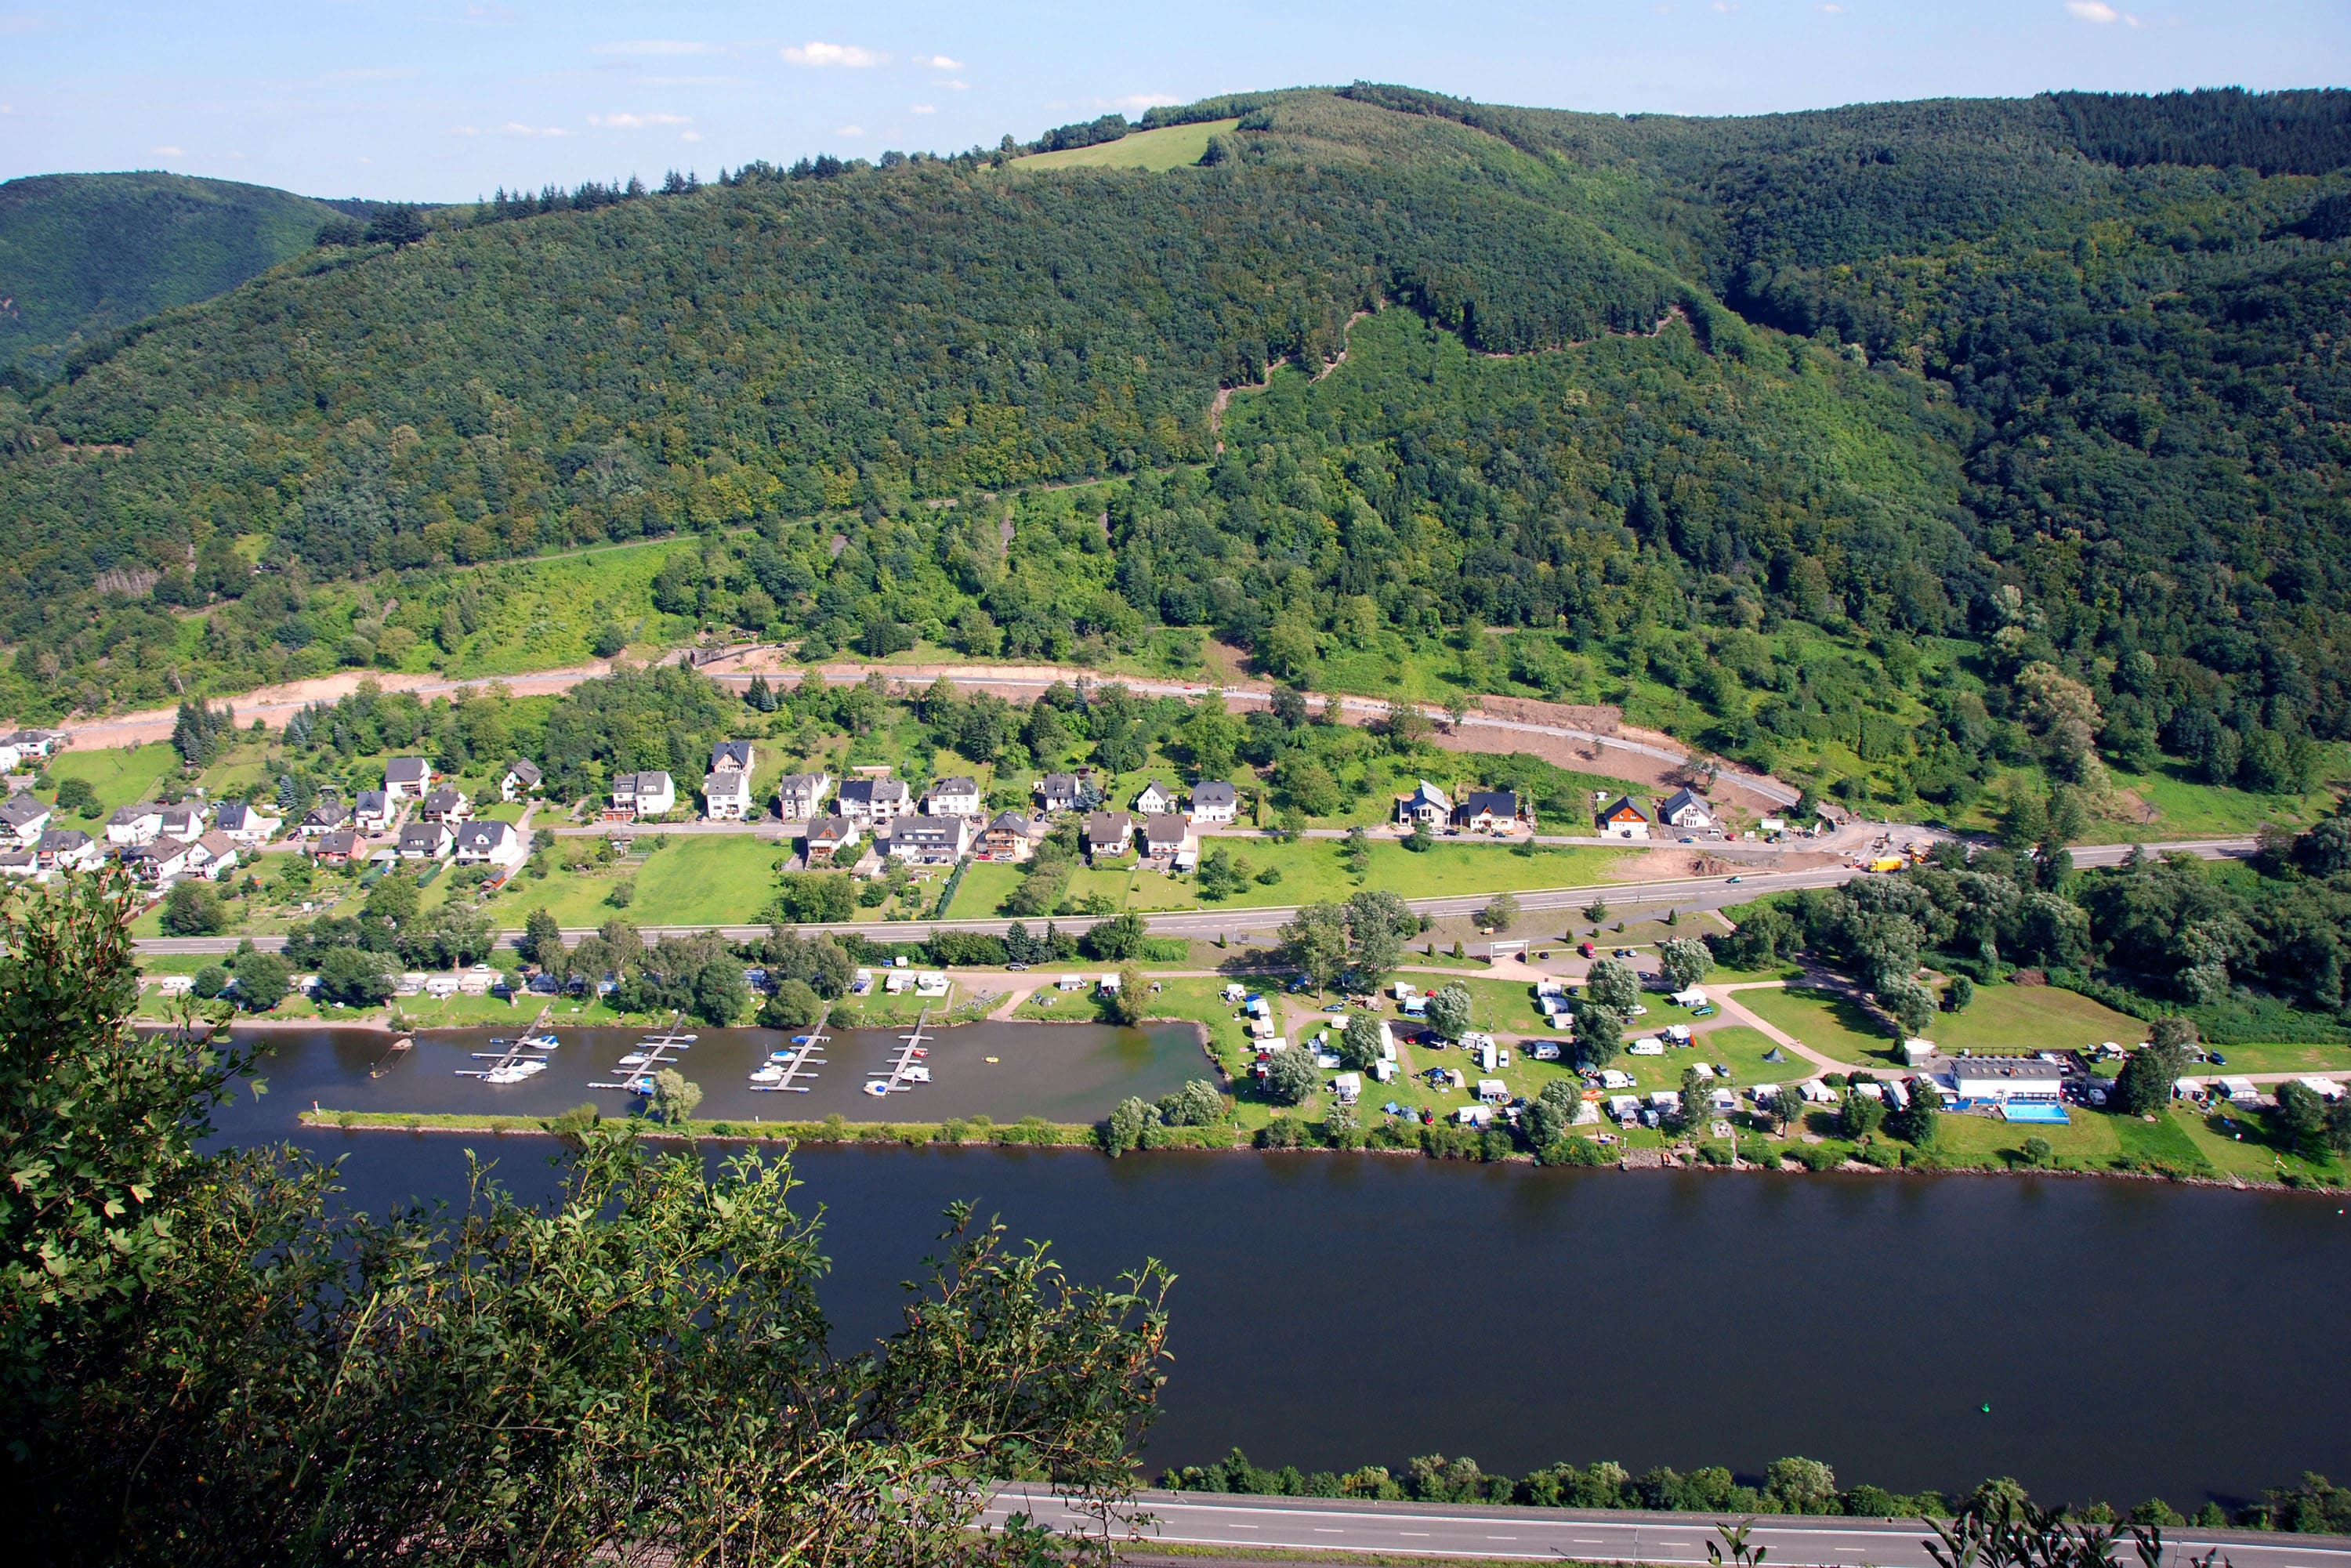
{"type": "Point", "coordinates": [1687, 894]}
{"type": "Point", "coordinates": [1247, 1524]}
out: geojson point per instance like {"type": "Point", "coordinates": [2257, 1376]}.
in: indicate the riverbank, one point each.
{"type": "Point", "coordinates": [982, 1132]}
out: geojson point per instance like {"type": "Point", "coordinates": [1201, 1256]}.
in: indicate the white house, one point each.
{"type": "Point", "coordinates": [407, 777]}
{"type": "Point", "coordinates": [726, 795]}
{"type": "Point", "coordinates": [372, 812]}
{"type": "Point", "coordinates": [1214, 800]}
{"type": "Point", "coordinates": [247, 823]}
{"type": "Point", "coordinates": [1165, 834]}
{"type": "Point", "coordinates": [1156, 799]}
{"type": "Point", "coordinates": [425, 841]}
{"type": "Point", "coordinates": [1997, 1079]}
{"type": "Point", "coordinates": [324, 818]}
{"type": "Point", "coordinates": [446, 804]}
{"type": "Point", "coordinates": [827, 834]}
{"type": "Point", "coordinates": [136, 824]}
{"type": "Point", "coordinates": [1058, 792]}
{"type": "Point", "coordinates": [186, 823]}
{"type": "Point", "coordinates": [487, 844]}
{"type": "Point", "coordinates": [643, 794]}
{"type": "Point", "coordinates": [161, 861]}
{"type": "Point", "coordinates": [523, 778]}
{"type": "Point", "coordinates": [955, 797]}
{"type": "Point", "coordinates": [24, 819]}
{"type": "Point", "coordinates": [67, 849]}
{"type": "Point", "coordinates": [1684, 809]}
{"type": "Point", "coordinates": [929, 841]}
{"type": "Point", "coordinates": [874, 801]}
{"type": "Point", "coordinates": [1426, 804]}
{"type": "Point", "coordinates": [801, 796]}
{"type": "Point", "coordinates": [214, 855]}
{"type": "Point", "coordinates": [35, 742]}
{"type": "Point", "coordinates": [1488, 812]}
{"type": "Point", "coordinates": [1108, 833]}
{"type": "Point", "coordinates": [1624, 819]}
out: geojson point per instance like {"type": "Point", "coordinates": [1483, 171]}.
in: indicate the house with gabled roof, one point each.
{"type": "Point", "coordinates": [1491, 811]}
{"type": "Point", "coordinates": [726, 795]}
{"type": "Point", "coordinates": [1624, 819]}
{"type": "Point", "coordinates": [24, 818]}
{"type": "Point", "coordinates": [801, 796]}
{"type": "Point", "coordinates": [1155, 799]}
{"type": "Point", "coordinates": [1426, 805]}
{"type": "Point", "coordinates": [1687, 810]}
{"type": "Point", "coordinates": [522, 777]}
{"type": "Point", "coordinates": [1214, 801]}
{"type": "Point", "coordinates": [407, 777]}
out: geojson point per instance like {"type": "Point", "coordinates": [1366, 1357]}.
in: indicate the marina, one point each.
{"type": "Point", "coordinates": [648, 1056]}
{"type": "Point", "coordinates": [910, 1067]}
{"type": "Point", "coordinates": [510, 1060]}
{"type": "Point", "coordinates": [781, 1072]}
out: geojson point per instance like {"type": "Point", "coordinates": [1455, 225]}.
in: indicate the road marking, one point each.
{"type": "Point", "coordinates": [1320, 1531]}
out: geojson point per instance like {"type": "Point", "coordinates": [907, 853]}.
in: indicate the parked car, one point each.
{"type": "Point", "coordinates": [1018, 968]}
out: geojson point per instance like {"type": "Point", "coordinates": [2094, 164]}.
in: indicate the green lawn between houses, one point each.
{"type": "Point", "coordinates": [2002, 1019]}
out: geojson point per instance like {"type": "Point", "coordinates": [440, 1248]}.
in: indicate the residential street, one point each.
{"type": "Point", "coordinates": [1689, 895]}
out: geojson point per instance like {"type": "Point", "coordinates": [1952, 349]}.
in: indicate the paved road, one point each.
{"type": "Point", "coordinates": [1689, 895]}
{"type": "Point", "coordinates": [1244, 1523]}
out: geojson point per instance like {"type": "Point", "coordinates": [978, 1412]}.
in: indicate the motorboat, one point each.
{"type": "Point", "coordinates": [770, 1074]}
{"type": "Point", "coordinates": [635, 1059]}
{"type": "Point", "coordinates": [542, 1041]}
{"type": "Point", "coordinates": [877, 1087]}
{"type": "Point", "coordinates": [802, 1039]}
{"type": "Point", "coordinates": [916, 1074]}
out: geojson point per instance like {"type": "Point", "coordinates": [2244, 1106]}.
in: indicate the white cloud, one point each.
{"type": "Point", "coordinates": [924, 108]}
{"type": "Point", "coordinates": [636, 121]}
{"type": "Point", "coordinates": [644, 48]}
{"type": "Point", "coordinates": [465, 130]}
{"type": "Point", "coordinates": [372, 73]}
{"type": "Point", "coordinates": [958, 86]}
{"type": "Point", "coordinates": [516, 128]}
{"type": "Point", "coordinates": [2101, 13]}
{"type": "Point", "coordinates": [816, 54]}
{"type": "Point", "coordinates": [165, 152]}
{"type": "Point", "coordinates": [1833, 10]}
{"type": "Point", "coordinates": [938, 62]}
{"type": "Point", "coordinates": [849, 131]}
{"type": "Point", "coordinates": [1143, 101]}
{"type": "Point", "coordinates": [691, 136]}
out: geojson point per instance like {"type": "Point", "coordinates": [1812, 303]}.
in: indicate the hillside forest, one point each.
{"type": "Point", "coordinates": [1905, 444]}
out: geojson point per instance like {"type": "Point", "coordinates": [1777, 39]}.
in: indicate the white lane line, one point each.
{"type": "Point", "coordinates": [1320, 1531]}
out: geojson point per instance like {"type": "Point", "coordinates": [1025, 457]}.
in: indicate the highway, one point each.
{"type": "Point", "coordinates": [1248, 1524]}
{"type": "Point", "coordinates": [1687, 894]}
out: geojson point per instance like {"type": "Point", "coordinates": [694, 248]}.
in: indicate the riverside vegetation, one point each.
{"type": "Point", "coordinates": [1976, 437]}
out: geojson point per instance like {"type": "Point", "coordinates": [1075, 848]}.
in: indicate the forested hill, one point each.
{"type": "Point", "coordinates": [83, 256]}
{"type": "Point", "coordinates": [2061, 377]}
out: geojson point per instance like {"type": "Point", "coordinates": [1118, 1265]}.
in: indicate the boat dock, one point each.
{"type": "Point", "coordinates": [907, 1071]}
{"type": "Point", "coordinates": [649, 1056]}
{"type": "Point", "coordinates": [800, 1062]}
{"type": "Point", "coordinates": [512, 1062]}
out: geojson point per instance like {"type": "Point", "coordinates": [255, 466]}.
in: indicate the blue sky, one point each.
{"type": "Point", "coordinates": [444, 100]}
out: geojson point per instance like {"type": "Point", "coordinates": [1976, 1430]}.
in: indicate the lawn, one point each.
{"type": "Point", "coordinates": [693, 879]}
{"type": "Point", "coordinates": [1172, 147]}
{"type": "Point", "coordinates": [2021, 1019]}
{"type": "Point", "coordinates": [2279, 1059]}
{"type": "Point", "coordinates": [1311, 872]}
{"type": "Point", "coordinates": [120, 776]}
{"type": "Point", "coordinates": [1835, 1026]}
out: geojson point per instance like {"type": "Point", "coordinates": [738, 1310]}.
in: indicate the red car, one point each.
{"type": "Point", "coordinates": [1586, 948]}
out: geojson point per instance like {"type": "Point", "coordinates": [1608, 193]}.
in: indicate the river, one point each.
{"type": "Point", "coordinates": [2130, 1338]}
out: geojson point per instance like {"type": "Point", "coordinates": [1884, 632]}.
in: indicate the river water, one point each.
{"type": "Point", "coordinates": [2130, 1338]}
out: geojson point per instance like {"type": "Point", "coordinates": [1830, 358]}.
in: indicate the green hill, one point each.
{"type": "Point", "coordinates": [1917, 441]}
{"type": "Point", "coordinates": [83, 256]}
